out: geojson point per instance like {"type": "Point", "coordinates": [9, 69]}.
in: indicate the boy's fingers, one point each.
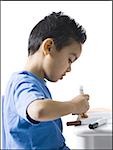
{"type": "Point", "coordinates": [87, 96]}
{"type": "Point", "coordinates": [84, 115]}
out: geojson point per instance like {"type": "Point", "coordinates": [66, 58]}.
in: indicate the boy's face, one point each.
{"type": "Point", "coordinates": [57, 63]}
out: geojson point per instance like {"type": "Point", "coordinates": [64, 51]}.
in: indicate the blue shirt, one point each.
{"type": "Point", "coordinates": [19, 131]}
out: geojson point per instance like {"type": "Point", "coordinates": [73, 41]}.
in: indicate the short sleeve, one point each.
{"type": "Point", "coordinates": [25, 93]}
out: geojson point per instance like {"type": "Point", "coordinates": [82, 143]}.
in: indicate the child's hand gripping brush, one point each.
{"type": "Point", "coordinates": [83, 115]}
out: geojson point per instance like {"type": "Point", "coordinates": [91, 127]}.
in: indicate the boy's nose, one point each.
{"type": "Point", "coordinates": [69, 69]}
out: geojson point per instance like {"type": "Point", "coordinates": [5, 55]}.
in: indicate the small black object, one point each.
{"type": "Point", "coordinates": [93, 126]}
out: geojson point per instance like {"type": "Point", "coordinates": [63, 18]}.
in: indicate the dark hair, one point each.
{"type": "Point", "coordinates": [61, 28]}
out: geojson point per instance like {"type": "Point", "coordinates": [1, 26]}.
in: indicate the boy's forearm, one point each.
{"type": "Point", "coordinates": [44, 110]}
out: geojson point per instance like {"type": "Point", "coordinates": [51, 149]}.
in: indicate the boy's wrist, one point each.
{"type": "Point", "coordinates": [72, 106]}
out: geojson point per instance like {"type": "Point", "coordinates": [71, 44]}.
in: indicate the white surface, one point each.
{"type": "Point", "coordinates": [99, 138]}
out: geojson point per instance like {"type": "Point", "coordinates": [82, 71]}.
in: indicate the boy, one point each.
{"type": "Point", "coordinates": [31, 119]}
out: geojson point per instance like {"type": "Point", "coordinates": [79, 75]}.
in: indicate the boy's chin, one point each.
{"type": "Point", "coordinates": [55, 80]}
{"type": "Point", "coordinates": [52, 79]}
{"type": "Point", "coordinates": [61, 78]}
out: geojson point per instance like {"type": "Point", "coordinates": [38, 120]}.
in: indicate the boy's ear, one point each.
{"type": "Point", "coordinates": [47, 46]}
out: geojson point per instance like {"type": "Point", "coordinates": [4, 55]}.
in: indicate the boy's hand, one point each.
{"type": "Point", "coordinates": [80, 104]}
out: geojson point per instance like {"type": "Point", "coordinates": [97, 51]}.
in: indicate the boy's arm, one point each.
{"type": "Point", "coordinates": [45, 110]}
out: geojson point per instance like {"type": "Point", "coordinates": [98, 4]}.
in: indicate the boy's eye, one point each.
{"type": "Point", "coordinates": [70, 61]}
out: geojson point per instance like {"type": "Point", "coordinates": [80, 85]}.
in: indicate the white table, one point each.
{"type": "Point", "coordinates": [99, 138]}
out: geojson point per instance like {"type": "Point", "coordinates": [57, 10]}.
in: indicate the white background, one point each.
{"type": "Point", "coordinates": [93, 69]}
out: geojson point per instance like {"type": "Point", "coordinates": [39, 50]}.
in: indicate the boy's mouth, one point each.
{"type": "Point", "coordinates": [62, 76]}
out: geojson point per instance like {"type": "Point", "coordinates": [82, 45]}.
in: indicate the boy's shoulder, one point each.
{"type": "Point", "coordinates": [23, 80]}
{"type": "Point", "coordinates": [25, 76]}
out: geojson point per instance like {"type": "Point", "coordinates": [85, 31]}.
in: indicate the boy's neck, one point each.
{"type": "Point", "coordinates": [34, 66]}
